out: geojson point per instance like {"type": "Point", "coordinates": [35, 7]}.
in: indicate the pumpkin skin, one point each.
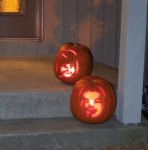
{"type": "Point", "coordinates": [72, 62]}
{"type": "Point", "coordinates": [93, 100]}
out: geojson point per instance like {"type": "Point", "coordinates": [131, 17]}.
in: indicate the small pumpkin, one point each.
{"type": "Point", "coordinates": [93, 100]}
{"type": "Point", "coordinates": [72, 62]}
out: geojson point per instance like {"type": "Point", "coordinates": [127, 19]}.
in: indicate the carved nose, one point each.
{"type": "Point", "coordinates": [91, 102]}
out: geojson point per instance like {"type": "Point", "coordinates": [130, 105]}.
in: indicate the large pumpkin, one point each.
{"type": "Point", "coordinates": [72, 62]}
{"type": "Point", "coordinates": [93, 100]}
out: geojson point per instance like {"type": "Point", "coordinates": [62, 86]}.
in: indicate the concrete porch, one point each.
{"type": "Point", "coordinates": [29, 88]}
{"type": "Point", "coordinates": [68, 134]}
{"type": "Point", "coordinates": [35, 114]}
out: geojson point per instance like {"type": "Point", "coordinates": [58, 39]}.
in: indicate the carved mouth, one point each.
{"type": "Point", "coordinates": [66, 74]}
{"type": "Point", "coordinates": [92, 110]}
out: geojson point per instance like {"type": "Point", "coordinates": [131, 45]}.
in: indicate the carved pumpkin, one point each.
{"type": "Point", "coordinates": [93, 100]}
{"type": "Point", "coordinates": [72, 62]}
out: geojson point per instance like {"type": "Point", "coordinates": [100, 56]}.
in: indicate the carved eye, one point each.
{"type": "Point", "coordinates": [98, 101]}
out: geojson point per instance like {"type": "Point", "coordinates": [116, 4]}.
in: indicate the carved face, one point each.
{"type": "Point", "coordinates": [72, 62]}
{"type": "Point", "coordinates": [69, 66]}
{"type": "Point", "coordinates": [91, 102]}
{"type": "Point", "coordinates": [67, 70]}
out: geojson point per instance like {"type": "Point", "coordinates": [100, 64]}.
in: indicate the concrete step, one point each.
{"type": "Point", "coordinates": [34, 105]}
{"type": "Point", "coordinates": [68, 134]}
{"type": "Point", "coordinates": [29, 88]}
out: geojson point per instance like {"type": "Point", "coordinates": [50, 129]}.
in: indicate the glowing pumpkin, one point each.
{"type": "Point", "coordinates": [72, 62]}
{"type": "Point", "coordinates": [93, 100]}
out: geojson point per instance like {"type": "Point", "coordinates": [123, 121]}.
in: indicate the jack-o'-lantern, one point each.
{"type": "Point", "coordinates": [93, 100]}
{"type": "Point", "coordinates": [72, 62]}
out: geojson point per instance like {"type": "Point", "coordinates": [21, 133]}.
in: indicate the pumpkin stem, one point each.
{"type": "Point", "coordinates": [77, 44]}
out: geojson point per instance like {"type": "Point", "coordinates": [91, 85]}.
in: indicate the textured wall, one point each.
{"type": "Point", "coordinates": [94, 23]}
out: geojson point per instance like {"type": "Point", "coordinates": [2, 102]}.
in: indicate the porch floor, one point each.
{"type": "Point", "coordinates": [35, 74]}
{"type": "Point", "coordinates": [31, 119]}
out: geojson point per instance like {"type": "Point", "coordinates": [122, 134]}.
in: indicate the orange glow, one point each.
{"type": "Point", "coordinates": [91, 95]}
{"type": "Point", "coordinates": [102, 91]}
{"type": "Point", "coordinates": [91, 104]}
{"type": "Point", "coordinates": [77, 67]}
{"type": "Point", "coordinates": [10, 6]}
{"type": "Point", "coordinates": [64, 55]}
{"type": "Point", "coordinates": [70, 50]}
{"type": "Point", "coordinates": [67, 70]}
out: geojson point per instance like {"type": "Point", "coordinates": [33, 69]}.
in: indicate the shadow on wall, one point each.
{"type": "Point", "coordinates": [92, 23]}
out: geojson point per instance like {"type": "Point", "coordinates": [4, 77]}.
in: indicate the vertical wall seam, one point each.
{"type": "Point", "coordinates": [63, 20]}
{"type": "Point", "coordinates": [78, 13]}
{"type": "Point", "coordinates": [91, 15]}
{"type": "Point", "coordinates": [104, 19]}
